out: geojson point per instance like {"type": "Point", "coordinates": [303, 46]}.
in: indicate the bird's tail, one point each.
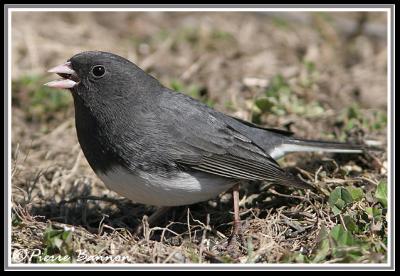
{"type": "Point", "coordinates": [302, 145]}
{"type": "Point", "coordinates": [293, 145]}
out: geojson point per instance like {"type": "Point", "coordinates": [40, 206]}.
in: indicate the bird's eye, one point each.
{"type": "Point", "coordinates": [98, 70]}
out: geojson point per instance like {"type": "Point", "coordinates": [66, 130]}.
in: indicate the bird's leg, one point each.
{"type": "Point", "coordinates": [236, 219]}
{"type": "Point", "coordinates": [152, 219]}
{"type": "Point", "coordinates": [236, 239]}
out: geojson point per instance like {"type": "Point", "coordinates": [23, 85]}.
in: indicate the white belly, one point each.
{"type": "Point", "coordinates": [185, 188]}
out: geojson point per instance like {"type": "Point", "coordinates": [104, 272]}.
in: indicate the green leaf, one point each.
{"type": "Point", "coordinates": [264, 104]}
{"type": "Point", "coordinates": [50, 233]}
{"type": "Point", "coordinates": [256, 118]}
{"type": "Point", "coordinates": [300, 258]}
{"type": "Point", "coordinates": [314, 109]}
{"type": "Point", "coordinates": [176, 85]}
{"type": "Point", "coordinates": [350, 224]}
{"type": "Point", "coordinates": [341, 236]}
{"type": "Point", "coordinates": [310, 66]}
{"type": "Point", "coordinates": [66, 236]}
{"type": "Point", "coordinates": [336, 211]}
{"type": "Point", "coordinates": [15, 220]}
{"type": "Point", "coordinates": [57, 242]}
{"type": "Point", "coordinates": [323, 251]}
{"type": "Point", "coordinates": [356, 193]}
{"type": "Point", "coordinates": [338, 199]}
{"type": "Point", "coordinates": [353, 112]}
{"type": "Point", "coordinates": [381, 193]}
{"type": "Point", "coordinates": [340, 203]}
{"type": "Point", "coordinates": [375, 213]}
{"type": "Point", "coordinates": [351, 124]}
{"type": "Point", "coordinates": [277, 87]}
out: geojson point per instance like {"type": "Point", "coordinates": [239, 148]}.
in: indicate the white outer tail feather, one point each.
{"type": "Point", "coordinates": [283, 149]}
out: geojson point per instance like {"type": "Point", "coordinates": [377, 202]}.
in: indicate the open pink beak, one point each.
{"type": "Point", "coordinates": [69, 77]}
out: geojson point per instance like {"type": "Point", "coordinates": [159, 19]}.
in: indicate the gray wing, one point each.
{"type": "Point", "coordinates": [206, 143]}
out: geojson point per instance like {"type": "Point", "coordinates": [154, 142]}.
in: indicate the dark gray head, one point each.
{"type": "Point", "coordinates": [109, 92]}
{"type": "Point", "coordinates": [101, 77]}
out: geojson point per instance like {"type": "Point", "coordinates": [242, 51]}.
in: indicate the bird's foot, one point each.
{"type": "Point", "coordinates": [236, 242]}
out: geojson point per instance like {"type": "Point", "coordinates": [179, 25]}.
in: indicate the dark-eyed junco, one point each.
{"type": "Point", "coordinates": [159, 147]}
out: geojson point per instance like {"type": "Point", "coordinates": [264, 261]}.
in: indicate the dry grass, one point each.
{"type": "Point", "coordinates": [230, 59]}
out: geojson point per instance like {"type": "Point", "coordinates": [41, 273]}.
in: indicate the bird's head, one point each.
{"type": "Point", "coordinates": [100, 76]}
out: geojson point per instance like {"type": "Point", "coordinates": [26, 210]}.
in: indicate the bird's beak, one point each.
{"type": "Point", "coordinates": [69, 76]}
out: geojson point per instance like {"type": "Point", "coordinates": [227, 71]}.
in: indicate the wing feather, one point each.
{"type": "Point", "coordinates": [207, 143]}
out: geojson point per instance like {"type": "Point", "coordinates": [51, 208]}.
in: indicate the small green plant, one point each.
{"type": "Point", "coordinates": [279, 99]}
{"type": "Point", "coordinates": [221, 35]}
{"type": "Point", "coordinates": [381, 193]}
{"type": "Point", "coordinates": [39, 101]}
{"type": "Point", "coordinates": [339, 199]}
{"type": "Point", "coordinates": [350, 240]}
{"type": "Point", "coordinates": [15, 219]}
{"type": "Point", "coordinates": [354, 117]}
{"type": "Point", "coordinates": [57, 246]}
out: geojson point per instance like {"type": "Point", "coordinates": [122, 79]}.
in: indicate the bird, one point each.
{"type": "Point", "coordinates": [159, 147]}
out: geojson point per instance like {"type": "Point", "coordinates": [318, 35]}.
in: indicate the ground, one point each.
{"type": "Point", "coordinates": [320, 75]}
